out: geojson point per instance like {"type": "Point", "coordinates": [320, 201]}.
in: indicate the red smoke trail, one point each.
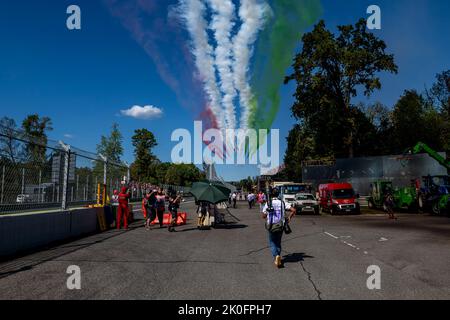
{"type": "Point", "coordinates": [210, 122]}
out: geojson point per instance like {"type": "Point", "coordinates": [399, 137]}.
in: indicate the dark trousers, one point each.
{"type": "Point", "coordinates": [234, 203]}
{"type": "Point", "coordinates": [160, 213]}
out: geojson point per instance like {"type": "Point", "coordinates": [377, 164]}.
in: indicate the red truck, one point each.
{"type": "Point", "coordinates": [338, 198]}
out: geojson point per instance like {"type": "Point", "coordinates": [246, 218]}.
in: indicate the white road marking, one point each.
{"type": "Point", "coordinates": [383, 239]}
{"type": "Point", "coordinates": [329, 234]}
{"type": "Point", "coordinates": [343, 241]}
{"type": "Point", "coordinates": [349, 244]}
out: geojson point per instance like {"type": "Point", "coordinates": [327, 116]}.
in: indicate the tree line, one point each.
{"type": "Point", "coordinates": [330, 72]}
{"type": "Point", "coordinates": [27, 145]}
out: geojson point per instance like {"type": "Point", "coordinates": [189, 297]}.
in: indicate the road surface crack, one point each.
{"type": "Point", "coordinates": [319, 294]}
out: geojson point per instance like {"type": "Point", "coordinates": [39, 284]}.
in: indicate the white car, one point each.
{"type": "Point", "coordinates": [23, 198]}
{"type": "Point", "coordinates": [306, 203]}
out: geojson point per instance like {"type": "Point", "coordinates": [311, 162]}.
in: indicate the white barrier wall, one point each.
{"type": "Point", "coordinates": [20, 233]}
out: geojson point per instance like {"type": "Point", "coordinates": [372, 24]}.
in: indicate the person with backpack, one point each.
{"type": "Point", "coordinates": [274, 212]}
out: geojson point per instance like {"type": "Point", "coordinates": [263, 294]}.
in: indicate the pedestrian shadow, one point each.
{"type": "Point", "coordinates": [296, 257]}
{"type": "Point", "coordinates": [230, 226]}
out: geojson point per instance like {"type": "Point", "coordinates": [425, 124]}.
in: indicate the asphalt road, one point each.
{"type": "Point", "coordinates": [325, 258]}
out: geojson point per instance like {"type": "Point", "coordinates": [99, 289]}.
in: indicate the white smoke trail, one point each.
{"type": "Point", "coordinates": [253, 14]}
{"type": "Point", "coordinates": [193, 13]}
{"type": "Point", "coordinates": [222, 25]}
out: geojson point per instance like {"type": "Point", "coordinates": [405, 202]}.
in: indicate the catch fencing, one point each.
{"type": "Point", "coordinates": [41, 174]}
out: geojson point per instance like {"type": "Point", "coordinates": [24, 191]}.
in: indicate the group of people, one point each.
{"type": "Point", "coordinates": [153, 206]}
{"type": "Point", "coordinates": [276, 213]}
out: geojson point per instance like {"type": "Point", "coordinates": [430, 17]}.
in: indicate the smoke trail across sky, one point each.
{"type": "Point", "coordinates": [193, 13]}
{"type": "Point", "coordinates": [222, 24]}
{"type": "Point", "coordinates": [274, 54]}
{"type": "Point", "coordinates": [237, 52]}
{"type": "Point", "coordinates": [253, 14]}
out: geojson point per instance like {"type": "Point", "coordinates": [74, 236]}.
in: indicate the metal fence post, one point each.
{"type": "Point", "coordinates": [23, 181]}
{"type": "Point", "coordinates": [40, 186]}
{"type": "Point", "coordinates": [3, 184]}
{"type": "Point", "coordinates": [65, 176]}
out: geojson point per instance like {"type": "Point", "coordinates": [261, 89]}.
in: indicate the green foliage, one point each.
{"type": "Point", "coordinates": [328, 72]}
{"type": "Point", "coordinates": [111, 146]}
{"type": "Point", "coordinates": [36, 128]}
{"type": "Point", "coordinates": [143, 142]}
{"type": "Point", "coordinates": [183, 174]}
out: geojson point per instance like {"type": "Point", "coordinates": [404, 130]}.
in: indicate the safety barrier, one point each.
{"type": "Point", "coordinates": [181, 219]}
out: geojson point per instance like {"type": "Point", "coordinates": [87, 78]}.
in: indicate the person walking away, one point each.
{"type": "Point", "coordinates": [234, 198]}
{"type": "Point", "coordinates": [274, 212]}
{"type": "Point", "coordinates": [174, 204]}
{"type": "Point", "coordinates": [114, 206]}
{"type": "Point", "coordinates": [250, 200]}
{"type": "Point", "coordinates": [389, 205]}
{"type": "Point", "coordinates": [160, 206]}
{"type": "Point", "coordinates": [202, 211]}
{"type": "Point", "coordinates": [122, 212]}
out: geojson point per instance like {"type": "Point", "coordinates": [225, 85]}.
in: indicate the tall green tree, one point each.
{"type": "Point", "coordinates": [36, 128]}
{"type": "Point", "coordinates": [111, 146]}
{"type": "Point", "coordinates": [143, 142]}
{"type": "Point", "coordinates": [328, 71]}
{"type": "Point", "coordinates": [439, 97]}
{"type": "Point", "coordinates": [183, 174]}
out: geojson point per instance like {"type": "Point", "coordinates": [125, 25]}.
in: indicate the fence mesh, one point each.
{"type": "Point", "coordinates": [39, 174]}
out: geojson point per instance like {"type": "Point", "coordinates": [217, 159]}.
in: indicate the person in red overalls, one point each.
{"type": "Point", "coordinates": [122, 211]}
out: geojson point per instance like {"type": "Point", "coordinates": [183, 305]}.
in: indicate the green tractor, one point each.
{"type": "Point", "coordinates": [404, 198]}
{"type": "Point", "coordinates": [434, 194]}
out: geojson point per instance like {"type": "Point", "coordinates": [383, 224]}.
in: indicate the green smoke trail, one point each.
{"type": "Point", "coordinates": [274, 54]}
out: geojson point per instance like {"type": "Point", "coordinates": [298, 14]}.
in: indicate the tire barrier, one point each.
{"type": "Point", "coordinates": [181, 219]}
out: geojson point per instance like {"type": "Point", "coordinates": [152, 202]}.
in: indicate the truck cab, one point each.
{"type": "Point", "coordinates": [338, 198]}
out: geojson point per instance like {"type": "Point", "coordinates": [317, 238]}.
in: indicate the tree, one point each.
{"type": "Point", "coordinates": [111, 146]}
{"type": "Point", "coordinates": [300, 147]}
{"type": "Point", "coordinates": [143, 142]}
{"type": "Point", "coordinates": [328, 72]}
{"type": "Point", "coordinates": [36, 129]}
{"type": "Point", "coordinates": [408, 121]}
{"type": "Point", "coordinates": [183, 174]}
{"type": "Point", "coordinates": [439, 94]}
{"type": "Point", "coordinates": [9, 147]}
{"type": "Point", "coordinates": [439, 97]}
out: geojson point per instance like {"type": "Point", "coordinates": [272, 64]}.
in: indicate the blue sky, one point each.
{"type": "Point", "coordinates": [82, 79]}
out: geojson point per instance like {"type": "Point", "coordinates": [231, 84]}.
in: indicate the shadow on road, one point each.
{"type": "Point", "coordinates": [296, 257]}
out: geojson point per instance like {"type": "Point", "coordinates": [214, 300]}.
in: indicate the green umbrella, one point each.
{"type": "Point", "coordinates": [222, 187]}
{"type": "Point", "coordinates": [203, 191]}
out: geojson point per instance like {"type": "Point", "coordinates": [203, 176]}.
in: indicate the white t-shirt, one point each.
{"type": "Point", "coordinates": [279, 211]}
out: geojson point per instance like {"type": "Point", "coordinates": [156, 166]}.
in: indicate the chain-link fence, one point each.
{"type": "Point", "coordinates": [39, 174]}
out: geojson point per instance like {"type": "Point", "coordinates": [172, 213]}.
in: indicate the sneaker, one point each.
{"type": "Point", "coordinates": [278, 261]}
